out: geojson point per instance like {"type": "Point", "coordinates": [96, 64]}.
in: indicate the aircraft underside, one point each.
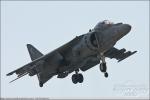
{"type": "Point", "coordinates": [80, 54]}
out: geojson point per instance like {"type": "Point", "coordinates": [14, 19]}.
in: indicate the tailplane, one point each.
{"type": "Point", "coordinates": [34, 53]}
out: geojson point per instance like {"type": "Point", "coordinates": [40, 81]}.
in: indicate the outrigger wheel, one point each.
{"type": "Point", "coordinates": [41, 84]}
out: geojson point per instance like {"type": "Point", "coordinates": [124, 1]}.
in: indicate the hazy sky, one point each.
{"type": "Point", "coordinates": [48, 25]}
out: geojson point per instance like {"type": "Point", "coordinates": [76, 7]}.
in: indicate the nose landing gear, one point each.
{"type": "Point", "coordinates": [103, 67]}
{"type": "Point", "coordinates": [101, 56]}
{"type": "Point", "coordinates": [106, 74]}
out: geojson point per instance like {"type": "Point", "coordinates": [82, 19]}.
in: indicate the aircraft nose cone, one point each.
{"type": "Point", "coordinates": [122, 30]}
{"type": "Point", "coordinates": [127, 28]}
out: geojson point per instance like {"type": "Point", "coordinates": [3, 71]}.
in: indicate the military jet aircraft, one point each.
{"type": "Point", "coordinates": [81, 53]}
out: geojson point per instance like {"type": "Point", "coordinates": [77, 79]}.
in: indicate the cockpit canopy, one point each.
{"type": "Point", "coordinates": [106, 22]}
{"type": "Point", "coordinates": [103, 25]}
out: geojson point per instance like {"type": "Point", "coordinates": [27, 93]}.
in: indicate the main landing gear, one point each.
{"type": "Point", "coordinates": [103, 67]}
{"type": "Point", "coordinates": [77, 77]}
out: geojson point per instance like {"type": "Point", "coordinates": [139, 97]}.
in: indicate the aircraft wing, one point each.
{"type": "Point", "coordinates": [28, 68]}
{"type": "Point", "coordinates": [38, 64]}
{"type": "Point", "coordinates": [90, 63]}
{"type": "Point", "coordinates": [118, 54]}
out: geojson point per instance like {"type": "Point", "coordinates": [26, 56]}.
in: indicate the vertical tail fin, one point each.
{"type": "Point", "coordinates": [33, 52]}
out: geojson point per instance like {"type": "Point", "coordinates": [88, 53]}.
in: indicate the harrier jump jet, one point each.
{"type": "Point", "coordinates": [81, 53]}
